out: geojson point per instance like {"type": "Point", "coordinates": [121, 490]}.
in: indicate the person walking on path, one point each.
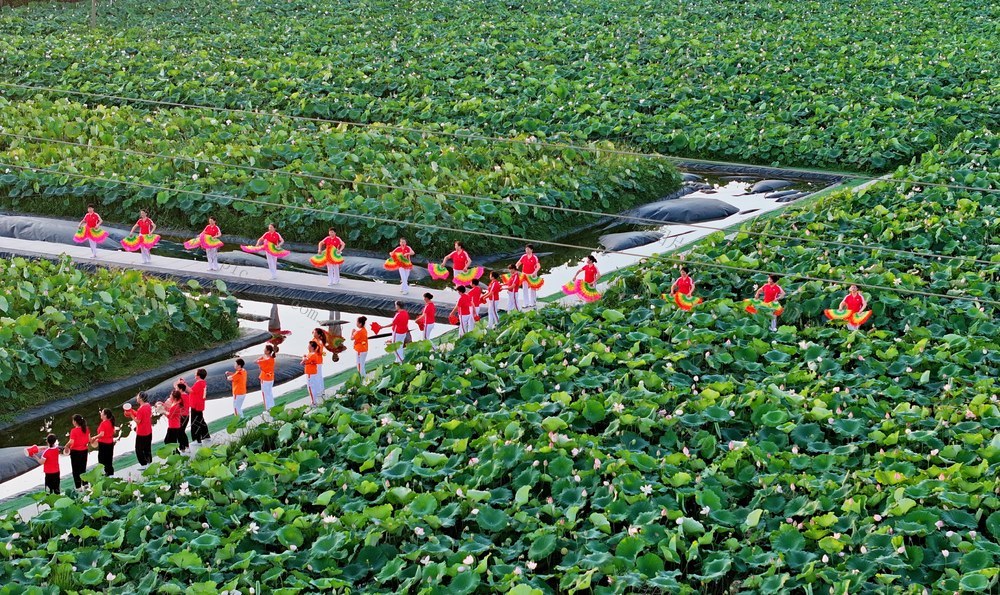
{"type": "Point", "coordinates": [360, 339]}
{"type": "Point", "coordinates": [199, 427]}
{"type": "Point", "coordinates": [428, 316]}
{"type": "Point", "coordinates": [529, 266]}
{"type": "Point", "coordinates": [172, 409]}
{"type": "Point", "coordinates": [312, 364]}
{"type": "Point", "coordinates": [266, 364]}
{"type": "Point", "coordinates": [238, 378]}
{"type": "Point", "coordinates": [49, 458]}
{"type": "Point", "coordinates": [76, 448]}
{"type": "Point", "coordinates": [400, 327]}
{"type": "Point", "coordinates": [143, 417]}
{"type": "Point", "coordinates": [105, 442]}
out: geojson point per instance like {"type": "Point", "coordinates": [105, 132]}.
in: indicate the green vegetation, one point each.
{"type": "Point", "coordinates": [61, 328]}
{"type": "Point", "coordinates": [623, 445]}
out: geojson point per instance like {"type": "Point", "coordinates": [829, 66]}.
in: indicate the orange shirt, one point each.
{"type": "Point", "coordinates": [266, 365]}
{"type": "Point", "coordinates": [239, 380]}
{"type": "Point", "coordinates": [360, 338]}
{"type": "Point", "coordinates": [311, 363]}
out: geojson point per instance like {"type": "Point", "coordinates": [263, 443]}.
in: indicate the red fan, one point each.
{"type": "Point", "coordinates": [376, 328]}
{"type": "Point", "coordinates": [452, 319]}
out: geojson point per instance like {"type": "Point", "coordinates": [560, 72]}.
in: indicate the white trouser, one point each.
{"type": "Point", "coordinates": [362, 357]}
{"type": "Point", "coordinates": [213, 258]}
{"type": "Point", "coordinates": [404, 278]}
{"type": "Point", "coordinates": [774, 323]}
{"type": "Point", "coordinates": [512, 301]}
{"type": "Point", "coordinates": [852, 327]}
{"type": "Point", "coordinates": [399, 338]}
{"type": "Point", "coordinates": [315, 383]}
{"type": "Point", "coordinates": [93, 247]}
{"type": "Point", "coordinates": [530, 296]}
{"type": "Point", "coordinates": [267, 389]}
{"type": "Point", "coordinates": [238, 404]}
{"type": "Point", "coordinates": [272, 265]}
{"type": "Point", "coordinates": [333, 273]}
{"type": "Point", "coordinates": [145, 255]}
{"type": "Point", "coordinates": [493, 313]}
{"type": "Point", "coordinates": [465, 323]}
{"type": "Point", "coordinates": [428, 331]}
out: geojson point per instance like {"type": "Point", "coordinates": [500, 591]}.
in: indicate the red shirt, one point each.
{"type": "Point", "coordinates": [174, 416]}
{"type": "Point", "coordinates": [407, 251]}
{"type": "Point", "coordinates": [459, 259]}
{"type": "Point", "coordinates": [51, 458]}
{"type": "Point", "coordinates": [143, 417]}
{"type": "Point", "coordinates": [401, 322]}
{"type": "Point", "coordinates": [272, 237]}
{"type": "Point", "coordinates": [465, 304]}
{"type": "Point", "coordinates": [80, 438]}
{"type": "Point", "coordinates": [196, 398]}
{"type": "Point", "coordinates": [145, 225]}
{"type": "Point", "coordinates": [493, 291]}
{"type": "Point", "coordinates": [185, 404]}
{"type": "Point", "coordinates": [528, 264]}
{"type": "Point", "coordinates": [853, 302]}
{"type": "Point", "coordinates": [430, 313]}
{"type": "Point", "coordinates": [771, 292]}
{"type": "Point", "coordinates": [212, 230]}
{"type": "Point", "coordinates": [513, 283]}
{"type": "Point", "coordinates": [589, 273]}
{"type": "Point", "coordinates": [106, 432]}
{"type": "Point", "coordinates": [685, 285]}
{"type": "Point", "coordinates": [90, 220]}
{"type": "Point", "coordinates": [333, 242]}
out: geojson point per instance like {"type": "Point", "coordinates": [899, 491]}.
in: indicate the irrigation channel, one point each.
{"type": "Point", "coordinates": [736, 203]}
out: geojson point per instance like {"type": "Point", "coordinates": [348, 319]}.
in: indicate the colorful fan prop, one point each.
{"type": "Point", "coordinates": [329, 255]}
{"type": "Point", "coordinates": [90, 233]}
{"type": "Point", "coordinates": [438, 272]}
{"type": "Point", "coordinates": [773, 308]}
{"type": "Point", "coordinates": [205, 242]}
{"type": "Point", "coordinates": [396, 262]}
{"type": "Point", "coordinates": [467, 276]}
{"type": "Point", "coordinates": [532, 281]}
{"type": "Point", "coordinates": [849, 316]}
{"type": "Point", "coordinates": [586, 291]}
{"type": "Point", "coordinates": [570, 288]}
{"type": "Point", "coordinates": [686, 301]}
{"type": "Point", "coordinates": [138, 242]}
{"type": "Point", "coordinates": [267, 248]}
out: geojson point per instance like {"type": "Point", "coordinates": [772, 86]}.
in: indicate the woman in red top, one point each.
{"type": "Point", "coordinates": [183, 441]}
{"type": "Point", "coordinates": [172, 409]}
{"type": "Point", "coordinates": [145, 227]}
{"type": "Point", "coordinates": [211, 233]}
{"type": "Point", "coordinates": [76, 448]}
{"type": "Point", "coordinates": [512, 285]}
{"type": "Point", "coordinates": [403, 251]}
{"type": "Point", "coordinates": [105, 440]}
{"type": "Point", "coordinates": [271, 236]}
{"type": "Point", "coordinates": [855, 302]}
{"type": "Point", "coordinates": [143, 417]}
{"type": "Point", "coordinates": [91, 222]}
{"type": "Point", "coordinates": [428, 316]}
{"type": "Point", "coordinates": [196, 399]}
{"type": "Point", "coordinates": [331, 241]}
{"type": "Point", "coordinates": [529, 265]}
{"type": "Point", "coordinates": [463, 308]}
{"type": "Point", "coordinates": [493, 300]}
{"type": "Point", "coordinates": [400, 327]}
{"type": "Point", "coordinates": [771, 292]}
{"type": "Point", "coordinates": [683, 284]}
{"type": "Point", "coordinates": [50, 464]}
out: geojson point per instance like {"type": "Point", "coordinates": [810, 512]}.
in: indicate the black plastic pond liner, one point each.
{"type": "Point", "coordinates": [56, 231]}
{"type": "Point", "coordinates": [691, 210]}
{"type": "Point", "coordinates": [781, 193]}
{"type": "Point", "coordinates": [690, 177]}
{"type": "Point", "coordinates": [13, 462]}
{"type": "Point", "coordinates": [625, 240]}
{"type": "Point", "coordinates": [758, 172]}
{"type": "Point", "coordinates": [286, 368]}
{"type": "Point", "coordinates": [793, 197]}
{"type": "Point", "coordinates": [770, 186]}
{"type": "Point", "coordinates": [247, 339]}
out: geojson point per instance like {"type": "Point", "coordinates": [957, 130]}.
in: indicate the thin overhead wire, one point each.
{"type": "Point", "coordinates": [505, 201]}
{"type": "Point", "coordinates": [479, 137]}
{"type": "Point", "coordinates": [672, 259]}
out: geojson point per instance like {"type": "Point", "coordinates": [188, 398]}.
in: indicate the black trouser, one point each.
{"type": "Point", "coordinates": [173, 436]}
{"type": "Point", "coordinates": [144, 449]}
{"type": "Point", "coordinates": [52, 482]}
{"type": "Point", "coordinates": [199, 429]}
{"type": "Point", "coordinates": [182, 438]}
{"type": "Point", "coordinates": [78, 460]}
{"type": "Point", "coordinates": [106, 456]}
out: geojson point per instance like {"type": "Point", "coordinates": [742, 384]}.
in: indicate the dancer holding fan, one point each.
{"type": "Point", "coordinates": [399, 260]}
{"type": "Point", "coordinates": [330, 256]}
{"type": "Point", "coordinates": [208, 240]}
{"type": "Point", "coordinates": [400, 326]}
{"type": "Point", "coordinates": [270, 244]}
{"type": "Point", "coordinates": [464, 310]}
{"type": "Point", "coordinates": [682, 291]}
{"type": "Point", "coordinates": [426, 319]}
{"type": "Point", "coordinates": [145, 240]}
{"type": "Point", "coordinates": [493, 300]}
{"type": "Point", "coordinates": [771, 293]}
{"type": "Point", "coordinates": [90, 231]}
{"type": "Point", "coordinates": [512, 283]}
{"type": "Point", "coordinates": [852, 309]}
{"type": "Point", "coordinates": [464, 273]}
{"type": "Point", "coordinates": [532, 282]}
{"type": "Point", "coordinates": [586, 288]}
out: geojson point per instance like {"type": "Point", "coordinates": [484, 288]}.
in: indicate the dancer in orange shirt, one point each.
{"type": "Point", "coordinates": [360, 339]}
{"type": "Point", "coordinates": [314, 380]}
{"type": "Point", "coordinates": [266, 365]}
{"type": "Point", "coordinates": [239, 380]}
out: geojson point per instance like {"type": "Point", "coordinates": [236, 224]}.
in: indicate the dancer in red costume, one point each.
{"type": "Point", "coordinates": [270, 244]}
{"type": "Point", "coordinates": [146, 238]}
{"type": "Point", "coordinates": [90, 231]}
{"type": "Point", "coordinates": [512, 283]}
{"type": "Point", "coordinates": [529, 266]}
{"type": "Point", "coordinates": [493, 300]}
{"type": "Point", "coordinates": [853, 309]}
{"type": "Point", "coordinates": [682, 291]}
{"type": "Point", "coordinates": [330, 255]}
{"type": "Point", "coordinates": [585, 288]}
{"type": "Point", "coordinates": [208, 240]}
{"type": "Point", "coordinates": [400, 260]}
{"type": "Point", "coordinates": [428, 316]}
{"type": "Point", "coordinates": [771, 292]}
{"type": "Point", "coordinates": [400, 326]}
{"type": "Point", "coordinates": [464, 310]}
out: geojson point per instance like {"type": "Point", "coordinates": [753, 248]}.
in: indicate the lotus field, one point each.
{"type": "Point", "coordinates": [622, 445]}
{"type": "Point", "coordinates": [62, 330]}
